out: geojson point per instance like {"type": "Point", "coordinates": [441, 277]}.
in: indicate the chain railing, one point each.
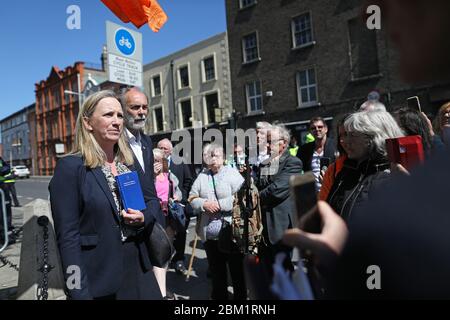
{"type": "Point", "coordinates": [42, 291]}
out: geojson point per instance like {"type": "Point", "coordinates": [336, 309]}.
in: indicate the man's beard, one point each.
{"type": "Point", "coordinates": [135, 123]}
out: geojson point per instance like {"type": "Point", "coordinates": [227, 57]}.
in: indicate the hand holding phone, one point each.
{"type": "Point", "coordinates": [324, 163]}
{"type": "Point", "coordinates": [305, 197]}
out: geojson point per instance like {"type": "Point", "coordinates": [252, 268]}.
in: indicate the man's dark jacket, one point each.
{"type": "Point", "coordinates": [305, 153]}
{"type": "Point", "coordinates": [276, 203]}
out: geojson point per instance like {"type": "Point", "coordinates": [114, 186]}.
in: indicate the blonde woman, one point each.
{"type": "Point", "coordinates": [97, 238]}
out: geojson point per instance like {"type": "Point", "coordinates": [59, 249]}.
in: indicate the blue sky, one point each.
{"type": "Point", "coordinates": [34, 37]}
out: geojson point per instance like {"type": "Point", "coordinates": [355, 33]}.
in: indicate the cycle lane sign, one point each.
{"type": "Point", "coordinates": [124, 55]}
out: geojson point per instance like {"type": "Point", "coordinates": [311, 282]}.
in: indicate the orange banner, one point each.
{"type": "Point", "coordinates": [138, 12]}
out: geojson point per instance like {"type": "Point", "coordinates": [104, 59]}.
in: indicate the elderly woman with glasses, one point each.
{"type": "Point", "coordinates": [367, 165]}
{"type": "Point", "coordinates": [212, 195]}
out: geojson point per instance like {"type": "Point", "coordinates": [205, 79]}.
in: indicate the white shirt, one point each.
{"type": "Point", "coordinates": [136, 146]}
{"type": "Point", "coordinates": [315, 168]}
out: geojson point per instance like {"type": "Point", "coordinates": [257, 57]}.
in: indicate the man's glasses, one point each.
{"type": "Point", "coordinates": [316, 127]}
{"type": "Point", "coordinates": [136, 107]}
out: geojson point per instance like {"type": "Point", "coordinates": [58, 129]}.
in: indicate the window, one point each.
{"type": "Point", "coordinates": [186, 114]}
{"type": "Point", "coordinates": [183, 77]}
{"type": "Point", "coordinates": [307, 88]}
{"type": "Point", "coordinates": [250, 47]}
{"type": "Point", "coordinates": [158, 119]}
{"type": "Point", "coordinates": [156, 86]}
{"type": "Point", "coordinates": [211, 105]}
{"type": "Point", "coordinates": [363, 49]}
{"type": "Point", "coordinates": [254, 97]}
{"type": "Point", "coordinates": [246, 3]}
{"type": "Point", "coordinates": [302, 30]}
{"type": "Point", "coordinates": [209, 69]}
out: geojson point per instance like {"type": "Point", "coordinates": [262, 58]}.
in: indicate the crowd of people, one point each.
{"type": "Point", "coordinates": [372, 211]}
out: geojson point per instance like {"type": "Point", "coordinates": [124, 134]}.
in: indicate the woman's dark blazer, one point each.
{"type": "Point", "coordinates": [87, 229]}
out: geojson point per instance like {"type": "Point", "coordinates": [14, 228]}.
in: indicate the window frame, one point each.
{"type": "Point", "coordinates": [205, 107]}
{"type": "Point", "coordinates": [244, 55]}
{"type": "Point", "coordinates": [180, 113]}
{"type": "Point", "coordinates": [296, 46]}
{"type": "Point", "coordinates": [155, 127]}
{"type": "Point", "coordinates": [188, 66]}
{"type": "Point", "coordinates": [248, 98]}
{"type": "Point", "coordinates": [308, 104]}
{"type": "Point", "coordinates": [242, 7]}
{"type": "Point", "coordinates": [203, 68]}
{"type": "Point", "coordinates": [152, 85]}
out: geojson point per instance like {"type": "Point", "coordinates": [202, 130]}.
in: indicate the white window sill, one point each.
{"type": "Point", "coordinates": [185, 88]}
{"type": "Point", "coordinates": [255, 113]}
{"type": "Point", "coordinates": [246, 7]}
{"type": "Point", "coordinates": [209, 81]}
{"type": "Point", "coordinates": [303, 46]}
{"type": "Point", "coordinates": [251, 62]}
{"type": "Point", "coordinates": [309, 105]}
{"type": "Point", "coordinates": [157, 96]}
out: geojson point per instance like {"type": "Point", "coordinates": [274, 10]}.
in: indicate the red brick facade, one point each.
{"type": "Point", "coordinates": [56, 114]}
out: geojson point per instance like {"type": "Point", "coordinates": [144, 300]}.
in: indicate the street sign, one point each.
{"type": "Point", "coordinates": [59, 148]}
{"type": "Point", "coordinates": [124, 55]}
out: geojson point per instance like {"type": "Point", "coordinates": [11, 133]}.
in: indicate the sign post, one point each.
{"type": "Point", "coordinates": [124, 55]}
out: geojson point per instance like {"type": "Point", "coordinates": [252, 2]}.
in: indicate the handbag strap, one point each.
{"type": "Point", "coordinates": [215, 190]}
{"type": "Point", "coordinates": [170, 186]}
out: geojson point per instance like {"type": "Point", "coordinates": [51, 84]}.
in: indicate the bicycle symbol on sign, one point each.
{"type": "Point", "coordinates": [125, 42]}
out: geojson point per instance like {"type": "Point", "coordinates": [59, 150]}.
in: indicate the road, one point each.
{"type": "Point", "coordinates": [31, 189]}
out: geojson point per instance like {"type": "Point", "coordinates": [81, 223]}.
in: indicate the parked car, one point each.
{"type": "Point", "coordinates": [21, 171]}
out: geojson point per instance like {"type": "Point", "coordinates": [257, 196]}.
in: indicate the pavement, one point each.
{"type": "Point", "coordinates": [195, 288]}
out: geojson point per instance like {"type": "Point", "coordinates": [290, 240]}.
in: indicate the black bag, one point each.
{"type": "Point", "coordinates": [225, 243]}
{"type": "Point", "coordinates": [176, 211]}
{"type": "Point", "coordinates": [159, 247]}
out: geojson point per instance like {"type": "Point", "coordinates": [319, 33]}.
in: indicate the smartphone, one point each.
{"type": "Point", "coordinates": [414, 103]}
{"type": "Point", "coordinates": [324, 162]}
{"type": "Point", "coordinates": [308, 219]}
{"type": "Point", "coordinates": [303, 190]}
{"type": "Point", "coordinates": [407, 151]}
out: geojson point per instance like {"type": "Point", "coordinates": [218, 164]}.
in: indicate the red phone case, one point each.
{"type": "Point", "coordinates": [407, 151]}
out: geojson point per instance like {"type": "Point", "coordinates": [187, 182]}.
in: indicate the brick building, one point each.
{"type": "Point", "coordinates": [292, 60]}
{"type": "Point", "coordinates": [57, 110]}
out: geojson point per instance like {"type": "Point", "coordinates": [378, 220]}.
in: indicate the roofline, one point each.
{"type": "Point", "coordinates": [183, 51]}
{"type": "Point", "coordinates": [26, 109]}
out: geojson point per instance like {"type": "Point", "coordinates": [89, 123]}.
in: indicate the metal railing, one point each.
{"type": "Point", "coordinates": [5, 220]}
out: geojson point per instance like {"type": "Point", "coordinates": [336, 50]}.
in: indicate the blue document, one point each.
{"type": "Point", "coordinates": [130, 191]}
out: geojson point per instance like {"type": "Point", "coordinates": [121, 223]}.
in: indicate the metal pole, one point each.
{"type": "Point", "coordinates": [5, 221]}
{"type": "Point", "coordinates": [80, 95]}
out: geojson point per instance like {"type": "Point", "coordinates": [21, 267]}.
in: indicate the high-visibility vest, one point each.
{"type": "Point", "coordinates": [9, 178]}
{"type": "Point", "coordinates": [293, 151]}
{"type": "Point", "coordinates": [2, 178]}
